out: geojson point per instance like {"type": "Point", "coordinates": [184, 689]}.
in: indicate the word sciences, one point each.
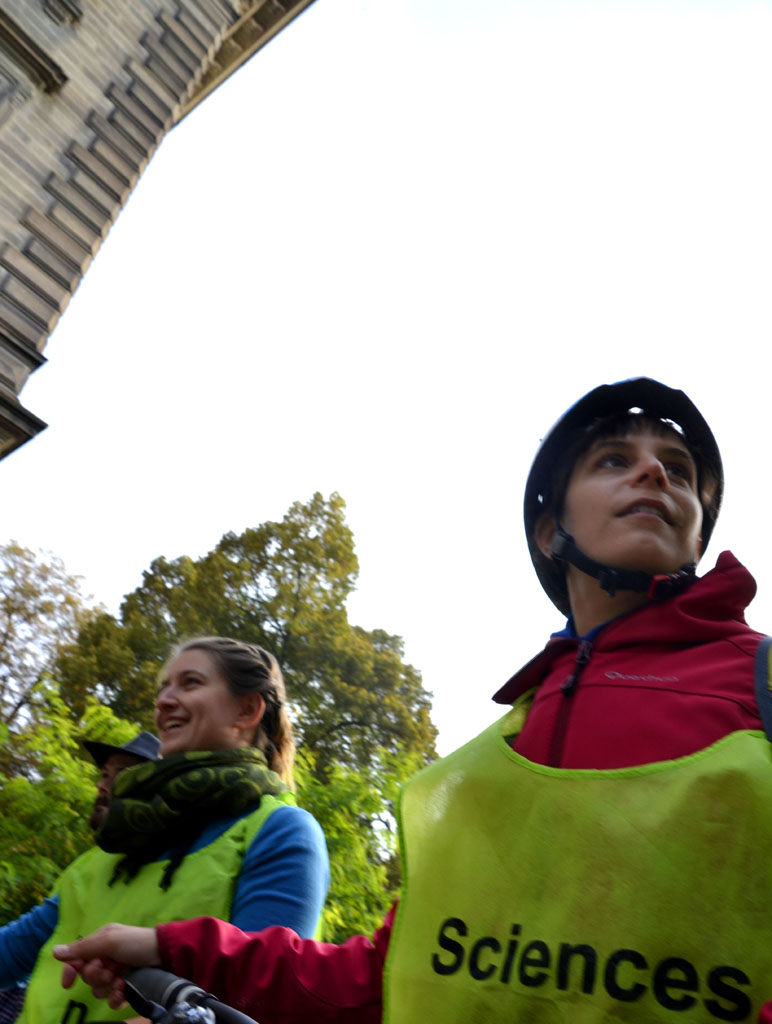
{"type": "Point", "coordinates": [624, 974]}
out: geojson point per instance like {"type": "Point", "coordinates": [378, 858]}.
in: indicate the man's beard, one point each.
{"type": "Point", "coordinates": [98, 814]}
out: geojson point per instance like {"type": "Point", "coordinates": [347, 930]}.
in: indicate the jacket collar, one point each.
{"type": "Point", "coordinates": [708, 610]}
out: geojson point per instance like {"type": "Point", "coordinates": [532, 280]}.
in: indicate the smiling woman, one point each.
{"type": "Point", "coordinates": [210, 829]}
{"type": "Point", "coordinates": [195, 709]}
{"type": "Point", "coordinates": [218, 693]}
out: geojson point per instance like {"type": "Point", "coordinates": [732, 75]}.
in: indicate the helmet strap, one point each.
{"type": "Point", "coordinates": [658, 586]}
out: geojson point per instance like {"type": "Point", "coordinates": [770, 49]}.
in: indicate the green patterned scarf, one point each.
{"type": "Point", "coordinates": [163, 806]}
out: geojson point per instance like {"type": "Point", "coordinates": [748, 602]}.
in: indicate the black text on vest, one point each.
{"type": "Point", "coordinates": [624, 974]}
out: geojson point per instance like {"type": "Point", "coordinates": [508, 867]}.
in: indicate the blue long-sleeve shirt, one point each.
{"type": "Point", "coordinates": [284, 879]}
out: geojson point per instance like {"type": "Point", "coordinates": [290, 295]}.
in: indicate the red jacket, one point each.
{"type": "Point", "coordinates": [276, 977]}
{"type": "Point", "coordinates": [659, 683]}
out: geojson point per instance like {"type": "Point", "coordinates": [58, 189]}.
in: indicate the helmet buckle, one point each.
{"type": "Point", "coordinates": [609, 581]}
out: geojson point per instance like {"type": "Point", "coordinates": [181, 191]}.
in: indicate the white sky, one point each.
{"type": "Point", "coordinates": [382, 259]}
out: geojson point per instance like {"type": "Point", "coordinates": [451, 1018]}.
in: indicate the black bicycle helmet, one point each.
{"type": "Point", "coordinates": [640, 394]}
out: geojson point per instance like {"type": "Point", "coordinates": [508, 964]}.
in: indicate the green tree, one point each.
{"type": "Point", "coordinates": [353, 808]}
{"type": "Point", "coordinates": [41, 608]}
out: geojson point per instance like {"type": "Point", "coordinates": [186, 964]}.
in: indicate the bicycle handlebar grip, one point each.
{"type": "Point", "coordinates": [157, 986]}
{"type": "Point", "coordinates": [146, 985]}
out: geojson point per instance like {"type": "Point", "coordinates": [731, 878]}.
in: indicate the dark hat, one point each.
{"type": "Point", "coordinates": [146, 746]}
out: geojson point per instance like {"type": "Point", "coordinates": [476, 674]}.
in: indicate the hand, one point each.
{"type": "Point", "coordinates": [102, 957]}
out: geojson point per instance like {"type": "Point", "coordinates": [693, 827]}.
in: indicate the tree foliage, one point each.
{"type": "Point", "coordinates": [354, 809]}
{"type": "Point", "coordinates": [41, 608]}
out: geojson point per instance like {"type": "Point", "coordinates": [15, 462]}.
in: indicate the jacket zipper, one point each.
{"type": "Point", "coordinates": [568, 689]}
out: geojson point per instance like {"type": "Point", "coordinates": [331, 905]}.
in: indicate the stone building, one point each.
{"type": "Point", "coordinates": [88, 89]}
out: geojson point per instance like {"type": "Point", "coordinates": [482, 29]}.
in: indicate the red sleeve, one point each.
{"type": "Point", "coordinates": [277, 977]}
{"type": "Point", "coordinates": [765, 1014]}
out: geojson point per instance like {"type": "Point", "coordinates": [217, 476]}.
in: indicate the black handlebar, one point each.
{"type": "Point", "coordinates": [167, 999]}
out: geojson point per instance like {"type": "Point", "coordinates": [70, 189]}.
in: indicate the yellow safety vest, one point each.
{"type": "Point", "coordinates": [536, 895]}
{"type": "Point", "coordinates": [203, 885]}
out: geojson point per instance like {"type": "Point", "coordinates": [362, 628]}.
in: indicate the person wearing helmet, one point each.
{"type": "Point", "coordinates": [594, 854]}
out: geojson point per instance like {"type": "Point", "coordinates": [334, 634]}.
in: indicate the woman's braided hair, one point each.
{"type": "Point", "coordinates": [248, 668]}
